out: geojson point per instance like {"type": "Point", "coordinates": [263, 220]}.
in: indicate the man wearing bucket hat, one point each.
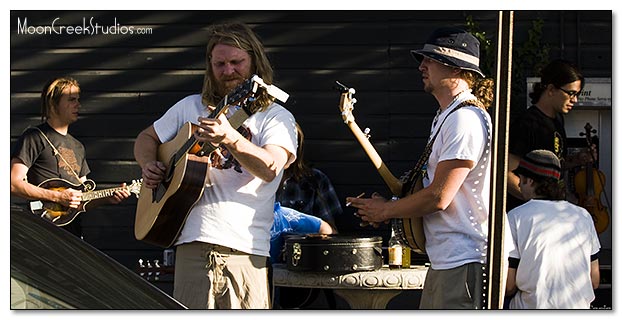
{"type": "Point", "coordinates": [456, 179]}
{"type": "Point", "coordinates": [554, 263]}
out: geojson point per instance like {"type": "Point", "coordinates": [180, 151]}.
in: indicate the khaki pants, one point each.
{"type": "Point", "coordinates": [457, 288]}
{"type": "Point", "coordinates": [209, 276]}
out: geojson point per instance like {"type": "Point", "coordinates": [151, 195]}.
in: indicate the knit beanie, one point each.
{"type": "Point", "coordinates": [539, 164]}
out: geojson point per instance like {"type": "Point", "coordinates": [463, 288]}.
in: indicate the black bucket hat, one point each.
{"type": "Point", "coordinates": [453, 47]}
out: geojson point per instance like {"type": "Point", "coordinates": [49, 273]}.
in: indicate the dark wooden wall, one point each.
{"type": "Point", "coordinates": [128, 81]}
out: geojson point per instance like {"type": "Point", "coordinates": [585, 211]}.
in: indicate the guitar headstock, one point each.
{"type": "Point", "coordinates": [243, 91]}
{"type": "Point", "coordinates": [347, 101]}
{"type": "Point", "coordinates": [135, 187]}
{"type": "Point", "coordinates": [271, 89]}
{"type": "Point", "coordinates": [251, 85]}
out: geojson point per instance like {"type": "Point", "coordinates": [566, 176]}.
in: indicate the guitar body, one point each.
{"type": "Point", "coordinates": [410, 230]}
{"type": "Point", "coordinates": [160, 215]}
{"type": "Point", "coordinates": [58, 214]}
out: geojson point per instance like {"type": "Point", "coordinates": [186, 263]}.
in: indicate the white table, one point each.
{"type": "Point", "coordinates": [362, 290]}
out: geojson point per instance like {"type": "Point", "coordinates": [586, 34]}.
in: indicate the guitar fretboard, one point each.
{"type": "Point", "coordinates": [98, 194]}
{"type": "Point", "coordinates": [239, 93]}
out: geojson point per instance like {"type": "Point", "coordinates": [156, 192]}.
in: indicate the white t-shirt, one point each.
{"type": "Point", "coordinates": [554, 241]}
{"type": "Point", "coordinates": [236, 208]}
{"type": "Point", "coordinates": [459, 234]}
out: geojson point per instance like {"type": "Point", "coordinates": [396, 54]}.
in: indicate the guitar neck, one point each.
{"type": "Point", "coordinates": [220, 108]}
{"type": "Point", "coordinates": [392, 182]}
{"type": "Point", "coordinates": [193, 146]}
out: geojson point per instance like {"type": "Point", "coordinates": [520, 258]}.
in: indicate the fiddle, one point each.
{"type": "Point", "coordinates": [589, 183]}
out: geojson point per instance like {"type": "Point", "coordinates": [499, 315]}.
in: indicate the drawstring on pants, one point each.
{"type": "Point", "coordinates": [215, 266]}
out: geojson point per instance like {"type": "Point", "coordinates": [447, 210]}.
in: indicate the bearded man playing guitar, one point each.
{"type": "Point", "coordinates": [454, 199]}
{"type": "Point", "coordinates": [48, 152]}
{"type": "Point", "coordinates": [223, 244]}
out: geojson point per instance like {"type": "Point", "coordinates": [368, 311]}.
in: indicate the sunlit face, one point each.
{"type": "Point", "coordinates": [67, 109]}
{"type": "Point", "coordinates": [230, 67]}
{"type": "Point", "coordinates": [566, 96]}
{"type": "Point", "coordinates": [434, 74]}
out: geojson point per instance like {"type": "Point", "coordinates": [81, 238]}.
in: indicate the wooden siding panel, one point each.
{"type": "Point", "coordinates": [113, 80]}
{"type": "Point", "coordinates": [127, 103]}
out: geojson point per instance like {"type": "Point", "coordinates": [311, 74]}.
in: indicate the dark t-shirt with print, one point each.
{"type": "Point", "coordinates": [534, 130]}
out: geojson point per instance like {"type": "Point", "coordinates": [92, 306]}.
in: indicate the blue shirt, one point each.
{"type": "Point", "coordinates": [289, 221]}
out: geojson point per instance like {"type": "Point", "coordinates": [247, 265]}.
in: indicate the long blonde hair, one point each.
{"type": "Point", "coordinates": [482, 88]}
{"type": "Point", "coordinates": [240, 36]}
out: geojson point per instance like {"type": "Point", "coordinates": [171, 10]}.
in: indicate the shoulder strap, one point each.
{"type": "Point", "coordinates": [57, 153]}
{"type": "Point", "coordinates": [414, 174]}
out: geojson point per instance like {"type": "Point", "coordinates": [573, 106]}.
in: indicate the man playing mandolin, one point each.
{"type": "Point", "coordinates": [454, 200]}
{"type": "Point", "coordinates": [49, 151]}
{"type": "Point", "coordinates": [223, 246]}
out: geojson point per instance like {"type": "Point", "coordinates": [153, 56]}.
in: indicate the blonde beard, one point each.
{"type": "Point", "coordinates": [225, 87]}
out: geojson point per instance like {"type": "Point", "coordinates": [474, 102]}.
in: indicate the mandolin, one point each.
{"type": "Point", "coordinates": [62, 215]}
{"type": "Point", "coordinates": [589, 183]}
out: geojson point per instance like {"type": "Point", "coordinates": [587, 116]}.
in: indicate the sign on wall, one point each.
{"type": "Point", "coordinates": [596, 92]}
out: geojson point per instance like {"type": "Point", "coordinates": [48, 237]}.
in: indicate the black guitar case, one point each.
{"type": "Point", "coordinates": [333, 253]}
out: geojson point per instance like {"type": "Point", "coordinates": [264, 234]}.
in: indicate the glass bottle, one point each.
{"type": "Point", "coordinates": [405, 257]}
{"type": "Point", "coordinates": [395, 252]}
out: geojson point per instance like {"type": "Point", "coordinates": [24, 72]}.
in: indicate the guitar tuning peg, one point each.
{"type": "Point", "coordinates": [156, 275]}
{"type": "Point", "coordinates": [149, 270]}
{"type": "Point", "coordinates": [367, 133]}
{"type": "Point", "coordinates": [354, 100]}
{"type": "Point", "coordinates": [141, 266]}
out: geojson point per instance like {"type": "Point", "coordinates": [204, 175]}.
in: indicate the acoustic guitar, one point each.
{"type": "Point", "coordinates": [162, 212]}
{"type": "Point", "coordinates": [61, 215]}
{"type": "Point", "coordinates": [408, 230]}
